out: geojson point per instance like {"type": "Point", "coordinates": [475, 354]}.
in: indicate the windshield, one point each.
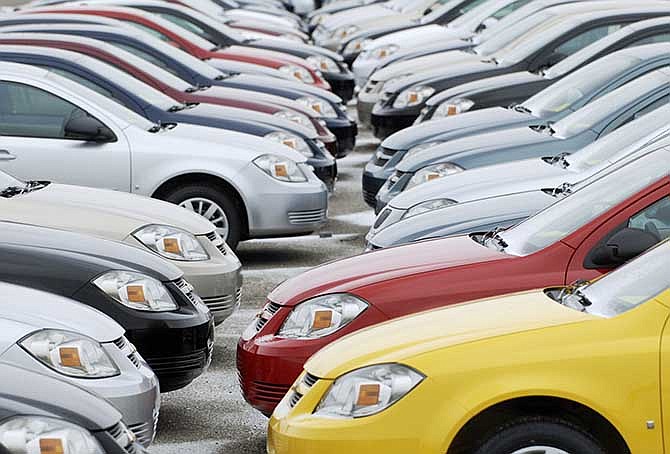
{"type": "Point", "coordinates": [586, 204]}
{"type": "Point", "coordinates": [601, 109]}
{"type": "Point", "coordinates": [173, 28]}
{"type": "Point", "coordinates": [637, 282]}
{"type": "Point", "coordinates": [511, 35]}
{"type": "Point", "coordinates": [7, 181]}
{"type": "Point", "coordinates": [622, 142]}
{"type": "Point", "coordinates": [463, 16]}
{"type": "Point", "coordinates": [439, 11]}
{"type": "Point", "coordinates": [197, 19]}
{"type": "Point", "coordinates": [567, 91]}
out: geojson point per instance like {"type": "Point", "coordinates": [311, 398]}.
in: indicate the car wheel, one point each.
{"type": "Point", "coordinates": [540, 435]}
{"type": "Point", "coordinates": [215, 205]}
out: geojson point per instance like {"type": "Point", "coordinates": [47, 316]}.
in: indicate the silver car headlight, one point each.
{"type": "Point", "coordinates": [428, 205]}
{"type": "Point", "coordinates": [433, 172]}
{"type": "Point", "coordinates": [297, 72]}
{"type": "Point", "coordinates": [321, 316]}
{"type": "Point", "coordinates": [413, 96]}
{"type": "Point", "coordinates": [280, 168]}
{"type": "Point", "coordinates": [356, 45]}
{"type": "Point", "coordinates": [323, 63]}
{"type": "Point", "coordinates": [172, 243]}
{"type": "Point", "coordinates": [421, 147]}
{"type": "Point", "coordinates": [455, 107]}
{"type": "Point", "coordinates": [291, 141]}
{"type": "Point", "coordinates": [39, 435]}
{"type": "Point", "coordinates": [381, 52]}
{"type": "Point", "coordinates": [368, 391]}
{"type": "Point", "coordinates": [71, 354]}
{"type": "Point", "coordinates": [321, 107]}
{"type": "Point", "coordinates": [297, 118]}
{"type": "Point", "coordinates": [345, 32]}
{"type": "Point", "coordinates": [136, 291]}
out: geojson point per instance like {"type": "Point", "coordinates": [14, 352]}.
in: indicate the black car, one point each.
{"type": "Point", "coordinates": [517, 87]}
{"type": "Point", "coordinates": [171, 327]}
{"type": "Point", "coordinates": [48, 405]}
{"type": "Point", "coordinates": [550, 43]}
{"type": "Point", "coordinates": [192, 70]}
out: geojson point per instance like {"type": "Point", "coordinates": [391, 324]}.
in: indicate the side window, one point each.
{"type": "Point", "coordinates": [146, 56]}
{"type": "Point", "coordinates": [659, 38]}
{"type": "Point", "coordinates": [190, 26]}
{"type": "Point", "coordinates": [586, 38]}
{"type": "Point", "coordinates": [654, 219]}
{"type": "Point", "coordinates": [619, 122]}
{"type": "Point", "coordinates": [27, 111]}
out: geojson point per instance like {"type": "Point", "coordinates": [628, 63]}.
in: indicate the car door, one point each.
{"type": "Point", "coordinates": [32, 129]}
{"type": "Point", "coordinates": [650, 213]}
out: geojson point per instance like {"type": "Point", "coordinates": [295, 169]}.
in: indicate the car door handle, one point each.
{"type": "Point", "coordinates": [5, 155]}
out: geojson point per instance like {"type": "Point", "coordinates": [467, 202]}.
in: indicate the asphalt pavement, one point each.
{"type": "Point", "coordinates": [210, 415]}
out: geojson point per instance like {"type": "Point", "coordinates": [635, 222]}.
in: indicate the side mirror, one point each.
{"type": "Point", "coordinates": [624, 245]}
{"type": "Point", "coordinates": [88, 128]}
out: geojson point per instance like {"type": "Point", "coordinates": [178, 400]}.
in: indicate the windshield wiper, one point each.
{"type": "Point", "coordinates": [160, 126]}
{"type": "Point", "coordinates": [521, 108]}
{"type": "Point", "coordinates": [218, 47]}
{"type": "Point", "coordinates": [573, 296]}
{"type": "Point", "coordinates": [545, 128]}
{"type": "Point", "coordinates": [560, 160]}
{"type": "Point", "coordinates": [198, 88]}
{"type": "Point", "coordinates": [225, 76]}
{"type": "Point", "coordinates": [180, 107]}
{"type": "Point", "coordinates": [30, 186]}
{"type": "Point", "coordinates": [493, 237]}
{"type": "Point", "coordinates": [563, 190]}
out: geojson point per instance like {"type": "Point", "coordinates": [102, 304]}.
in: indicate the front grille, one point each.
{"type": "Point", "coordinates": [144, 433]}
{"type": "Point", "coordinates": [223, 303]}
{"type": "Point", "coordinates": [372, 86]}
{"type": "Point", "coordinates": [307, 216]}
{"type": "Point", "coordinates": [295, 398]}
{"type": "Point", "coordinates": [265, 392]}
{"type": "Point", "coordinates": [187, 289]}
{"type": "Point", "coordinates": [123, 344]}
{"type": "Point", "coordinates": [122, 436]}
{"type": "Point", "coordinates": [135, 360]}
{"type": "Point", "coordinates": [308, 380]}
{"type": "Point", "coordinates": [181, 363]}
{"type": "Point", "coordinates": [381, 218]}
{"type": "Point", "coordinates": [370, 197]}
{"type": "Point", "coordinates": [218, 242]}
{"type": "Point", "coordinates": [383, 155]}
{"type": "Point", "coordinates": [269, 311]}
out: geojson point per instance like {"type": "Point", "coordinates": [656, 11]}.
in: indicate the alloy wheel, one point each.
{"type": "Point", "coordinates": [211, 211]}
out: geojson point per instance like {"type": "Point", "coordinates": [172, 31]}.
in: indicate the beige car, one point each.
{"type": "Point", "coordinates": [178, 235]}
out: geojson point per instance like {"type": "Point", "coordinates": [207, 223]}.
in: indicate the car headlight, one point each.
{"type": "Point", "coordinates": [39, 435]}
{"type": "Point", "coordinates": [413, 96]}
{"type": "Point", "coordinates": [344, 32]}
{"type": "Point", "coordinates": [280, 168]}
{"type": "Point", "coordinates": [323, 63]}
{"type": "Point", "coordinates": [172, 243]}
{"type": "Point", "coordinates": [297, 72]}
{"type": "Point", "coordinates": [297, 118]}
{"type": "Point", "coordinates": [428, 205]}
{"type": "Point", "coordinates": [321, 107]}
{"type": "Point", "coordinates": [455, 107]}
{"type": "Point", "coordinates": [70, 354]}
{"type": "Point", "coordinates": [321, 316]}
{"type": "Point", "coordinates": [136, 291]}
{"type": "Point", "coordinates": [421, 147]}
{"type": "Point", "coordinates": [291, 141]}
{"type": "Point", "coordinates": [380, 52]}
{"type": "Point", "coordinates": [356, 45]}
{"type": "Point", "coordinates": [433, 172]}
{"type": "Point", "coordinates": [368, 391]}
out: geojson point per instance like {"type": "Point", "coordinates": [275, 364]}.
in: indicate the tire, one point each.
{"type": "Point", "coordinates": [547, 435]}
{"type": "Point", "coordinates": [201, 198]}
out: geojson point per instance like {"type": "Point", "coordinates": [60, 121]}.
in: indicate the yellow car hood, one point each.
{"type": "Point", "coordinates": [401, 339]}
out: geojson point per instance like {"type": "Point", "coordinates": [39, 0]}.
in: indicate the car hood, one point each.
{"type": "Point", "coordinates": [291, 45]}
{"type": "Point", "coordinates": [427, 62]}
{"type": "Point", "coordinates": [354, 273]}
{"type": "Point", "coordinates": [496, 82]}
{"type": "Point", "coordinates": [418, 36]}
{"type": "Point", "coordinates": [24, 311]}
{"type": "Point", "coordinates": [354, 15]}
{"type": "Point", "coordinates": [489, 181]}
{"type": "Point", "coordinates": [456, 126]}
{"type": "Point", "coordinates": [404, 339]}
{"type": "Point", "coordinates": [245, 51]}
{"type": "Point", "coordinates": [280, 83]}
{"type": "Point", "coordinates": [110, 214]}
{"type": "Point", "coordinates": [265, 98]}
{"type": "Point", "coordinates": [489, 141]}
{"type": "Point", "coordinates": [454, 70]}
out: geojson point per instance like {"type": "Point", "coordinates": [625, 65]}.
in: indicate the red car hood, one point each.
{"type": "Point", "coordinates": [242, 51]}
{"type": "Point", "coordinates": [354, 273]}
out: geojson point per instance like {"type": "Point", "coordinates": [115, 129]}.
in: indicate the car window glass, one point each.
{"type": "Point", "coordinates": [462, 11]}
{"type": "Point", "coordinates": [26, 111]}
{"type": "Point", "coordinates": [659, 38]}
{"type": "Point", "coordinates": [619, 122]}
{"type": "Point", "coordinates": [438, 11]}
{"type": "Point", "coordinates": [502, 12]}
{"type": "Point", "coordinates": [625, 288]}
{"type": "Point", "coordinates": [190, 26]}
{"type": "Point", "coordinates": [147, 56]}
{"type": "Point", "coordinates": [654, 219]}
{"type": "Point", "coordinates": [511, 36]}
{"type": "Point", "coordinates": [586, 204]}
{"type": "Point", "coordinates": [586, 38]}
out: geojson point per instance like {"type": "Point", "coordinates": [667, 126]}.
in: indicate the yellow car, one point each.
{"type": "Point", "coordinates": [577, 370]}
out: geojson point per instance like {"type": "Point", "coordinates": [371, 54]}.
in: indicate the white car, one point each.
{"type": "Point", "coordinates": [60, 338]}
{"type": "Point", "coordinates": [62, 131]}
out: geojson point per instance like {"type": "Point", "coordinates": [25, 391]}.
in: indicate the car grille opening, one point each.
{"type": "Point", "coordinates": [307, 216]}
{"type": "Point", "coordinates": [381, 218]}
{"type": "Point", "coordinates": [122, 437]}
{"type": "Point", "coordinates": [269, 311]}
{"type": "Point", "coordinates": [187, 289]}
{"type": "Point", "coordinates": [223, 303]}
{"type": "Point", "coordinates": [183, 363]}
{"type": "Point", "coordinates": [129, 350]}
{"type": "Point", "coordinates": [308, 380]}
{"type": "Point", "coordinates": [370, 197]}
{"type": "Point", "coordinates": [218, 242]}
{"type": "Point", "coordinates": [144, 433]}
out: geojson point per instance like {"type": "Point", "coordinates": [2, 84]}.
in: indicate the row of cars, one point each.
{"type": "Point", "coordinates": [537, 177]}
{"type": "Point", "coordinates": [140, 142]}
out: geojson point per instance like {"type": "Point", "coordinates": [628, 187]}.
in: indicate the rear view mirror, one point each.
{"type": "Point", "coordinates": [88, 128]}
{"type": "Point", "coordinates": [624, 245]}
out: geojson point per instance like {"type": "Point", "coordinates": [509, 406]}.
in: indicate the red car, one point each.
{"type": "Point", "coordinates": [298, 68]}
{"type": "Point", "coordinates": [171, 87]}
{"type": "Point", "coordinates": [580, 237]}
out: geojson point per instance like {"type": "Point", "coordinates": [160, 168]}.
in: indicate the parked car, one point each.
{"type": "Point", "coordinates": [188, 241]}
{"type": "Point", "coordinates": [60, 338]}
{"type": "Point", "coordinates": [402, 101]}
{"type": "Point", "coordinates": [548, 106]}
{"type": "Point", "coordinates": [39, 410]}
{"type": "Point", "coordinates": [516, 88]}
{"type": "Point", "coordinates": [556, 246]}
{"type": "Point", "coordinates": [580, 128]}
{"type": "Point", "coordinates": [518, 373]}
{"type": "Point", "coordinates": [319, 105]}
{"type": "Point", "coordinates": [59, 130]}
{"type": "Point", "coordinates": [157, 94]}
{"type": "Point", "coordinates": [556, 175]}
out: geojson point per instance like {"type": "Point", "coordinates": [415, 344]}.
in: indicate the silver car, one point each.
{"type": "Point", "coordinates": [61, 131]}
{"type": "Point", "coordinates": [61, 338]}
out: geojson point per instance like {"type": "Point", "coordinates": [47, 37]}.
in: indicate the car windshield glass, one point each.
{"type": "Point", "coordinates": [622, 142]}
{"type": "Point", "coordinates": [439, 11]}
{"type": "Point", "coordinates": [602, 108]}
{"type": "Point", "coordinates": [534, 23]}
{"type": "Point", "coordinates": [197, 19]}
{"type": "Point", "coordinates": [173, 28]}
{"type": "Point", "coordinates": [637, 282]}
{"type": "Point", "coordinates": [8, 181]}
{"type": "Point", "coordinates": [463, 16]}
{"type": "Point", "coordinates": [567, 91]}
{"type": "Point", "coordinates": [586, 204]}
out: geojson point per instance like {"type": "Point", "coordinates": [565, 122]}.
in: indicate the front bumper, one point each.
{"type": "Point", "coordinates": [386, 122]}
{"type": "Point", "coordinates": [327, 172]}
{"type": "Point", "coordinates": [375, 175]}
{"type": "Point", "coordinates": [363, 69]}
{"type": "Point", "coordinates": [342, 84]}
{"type": "Point", "coordinates": [346, 131]}
{"type": "Point", "coordinates": [366, 102]}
